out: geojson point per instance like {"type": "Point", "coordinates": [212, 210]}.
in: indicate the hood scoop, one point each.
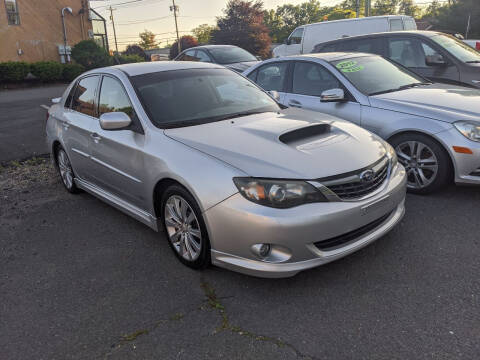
{"type": "Point", "coordinates": [298, 136]}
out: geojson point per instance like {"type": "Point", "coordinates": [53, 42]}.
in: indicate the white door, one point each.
{"type": "Point", "coordinates": [309, 81]}
{"type": "Point", "coordinates": [294, 43]}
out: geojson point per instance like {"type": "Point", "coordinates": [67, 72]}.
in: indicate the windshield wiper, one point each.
{"type": "Point", "coordinates": [237, 115]}
{"type": "Point", "coordinates": [403, 87]}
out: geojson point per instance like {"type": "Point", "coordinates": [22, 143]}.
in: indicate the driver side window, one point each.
{"type": "Point", "coordinates": [114, 99]}
{"type": "Point", "coordinates": [296, 37]}
{"type": "Point", "coordinates": [312, 79]}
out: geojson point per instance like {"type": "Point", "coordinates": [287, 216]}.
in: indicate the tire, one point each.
{"type": "Point", "coordinates": [184, 227]}
{"type": "Point", "coordinates": [65, 170]}
{"type": "Point", "coordinates": [429, 169]}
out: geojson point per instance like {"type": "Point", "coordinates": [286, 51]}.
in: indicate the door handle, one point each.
{"type": "Point", "coordinates": [96, 137]}
{"type": "Point", "coordinates": [295, 104]}
{"type": "Point", "coordinates": [65, 125]}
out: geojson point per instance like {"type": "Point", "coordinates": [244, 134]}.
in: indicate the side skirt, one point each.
{"type": "Point", "coordinates": [120, 204]}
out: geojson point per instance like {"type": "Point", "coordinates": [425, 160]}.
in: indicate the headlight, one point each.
{"type": "Point", "coordinates": [278, 193]}
{"type": "Point", "coordinates": [392, 155]}
{"type": "Point", "coordinates": [468, 129]}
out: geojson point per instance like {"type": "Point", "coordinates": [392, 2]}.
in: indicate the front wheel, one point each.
{"type": "Point", "coordinates": [426, 162]}
{"type": "Point", "coordinates": [185, 228]}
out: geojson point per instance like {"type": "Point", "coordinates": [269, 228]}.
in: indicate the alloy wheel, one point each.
{"type": "Point", "coordinates": [420, 163]}
{"type": "Point", "coordinates": [183, 228]}
{"type": "Point", "coordinates": [66, 171]}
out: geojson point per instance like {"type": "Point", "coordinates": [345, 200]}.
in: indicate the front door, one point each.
{"type": "Point", "coordinates": [294, 43]}
{"type": "Point", "coordinates": [272, 77]}
{"type": "Point", "coordinates": [117, 155]}
{"type": "Point", "coordinates": [309, 80]}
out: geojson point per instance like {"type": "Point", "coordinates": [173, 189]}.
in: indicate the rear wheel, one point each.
{"type": "Point", "coordinates": [66, 171]}
{"type": "Point", "coordinates": [426, 162]}
{"type": "Point", "coordinates": [185, 228]}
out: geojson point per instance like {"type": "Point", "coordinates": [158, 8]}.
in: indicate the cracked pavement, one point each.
{"type": "Point", "coordinates": [81, 280]}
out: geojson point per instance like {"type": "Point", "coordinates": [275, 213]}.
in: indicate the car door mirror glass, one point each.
{"type": "Point", "coordinates": [333, 95]}
{"type": "Point", "coordinates": [115, 121]}
{"type": "Point", "coordinates": [56, 100]}
{"type": "Point", "coordinates": [435, 60]}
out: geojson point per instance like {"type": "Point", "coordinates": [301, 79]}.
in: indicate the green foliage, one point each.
{"type": "Point", "coordinates": [71, 71]}
{"type": "Point", "coordinates": [128, 59]}
{"type": "Point", "coordinates": [88, 54]}
{"type": "Point", "coordinates": [186, 42]}
{"type": "Point", "coordinates": [408, 7]}
{"type": "Point", "coordinates": [385, 7]}
{"type": "Point", "coordinates": [243, 25]}
{"type": "Point", "coordinates": [47, 71]}
{"type": "Point", "coordinates": [339, 14]}
{"type": "Point", "coordinates": [136, 50]}
{"type": "Point", "coordinates": [147, 40]}
{"type": "Point", "coordinates": [12, 71]}
{"type": "Point", "coordinates": [203, 33]}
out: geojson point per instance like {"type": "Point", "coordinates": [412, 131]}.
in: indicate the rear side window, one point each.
{"type": "Point", "coordinates": [113, 98]}
{"type": "Point", "coordinates": [312, 79]}
{"type": "Point", "coordinates": [327, 48]}
{"type": "Point", "coordinates": [188, 55]}
{"type": "Point", "coordinates": [370, 45]}
{"type": "Point", "coordinates": [202, 56]}
{"type": "Point", "coordinates": [84, 97]}
{"type": "Point", "coordinates": [396, 25]}
{"type": "Point", "coordinates": [272, 76]}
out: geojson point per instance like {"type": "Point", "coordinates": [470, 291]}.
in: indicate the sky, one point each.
{"type": "Point", "coordinates": [155, 15]}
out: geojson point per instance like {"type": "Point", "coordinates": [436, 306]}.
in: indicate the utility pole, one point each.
{"type": "Point", "coordinates": [174, 8]}
{"type": "Point", "coordinates": [114, 32]}
{"type": "Point", "coordinates": [358, 8]}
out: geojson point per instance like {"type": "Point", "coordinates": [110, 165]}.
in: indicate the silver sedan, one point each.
{"type": "Point", "coordinates": [230, 176]}
{"type": "Point", "coordinates": [435, 128]}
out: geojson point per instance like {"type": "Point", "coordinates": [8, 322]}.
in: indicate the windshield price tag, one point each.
{"type": "Point", "coordinates": [349, 66]}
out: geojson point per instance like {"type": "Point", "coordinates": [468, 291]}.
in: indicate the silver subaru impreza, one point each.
{"type": "Point", "coordinates": [230, 176]}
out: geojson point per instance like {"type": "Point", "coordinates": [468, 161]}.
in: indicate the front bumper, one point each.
{"type": "Point", "coordinates": [236, 224]}
{"type": "Point", "coordinates": [467, 166]}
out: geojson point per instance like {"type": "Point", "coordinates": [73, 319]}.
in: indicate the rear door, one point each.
{"type": "Point", "coordinates": [78, 123]}
{"type": "Point", "coordinates": [308, 81]}
{"type": "Point", "coordinates": [412, 53]}
{"type": "Point", "coordinates": [117, 155]}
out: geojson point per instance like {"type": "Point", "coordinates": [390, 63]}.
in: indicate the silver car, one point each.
{"type": "Point", "coordinates": [435, 128]}
{"type": "Point", "coordinates": [202, 153]}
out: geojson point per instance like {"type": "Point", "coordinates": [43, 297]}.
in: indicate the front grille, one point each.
{"type": "Point", "coordinates": [352, 235]}
{"type": "Point", "coordinates": [353, 187]}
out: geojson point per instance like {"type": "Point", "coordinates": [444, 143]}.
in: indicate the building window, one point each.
{"type": "Point", "coordinates": [12, 12]}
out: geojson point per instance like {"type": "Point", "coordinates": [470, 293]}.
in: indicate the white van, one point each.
{"type": "Point", "coordinates": [305, 37]}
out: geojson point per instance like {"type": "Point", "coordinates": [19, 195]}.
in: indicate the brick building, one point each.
{"type": "Point", "coordinates": [32, 30]}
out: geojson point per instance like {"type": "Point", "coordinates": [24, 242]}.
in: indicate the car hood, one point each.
{"type": "Point", "coordinates": [254, 144]}
{"type": "Point", "coordinates": [241, 66]}
{"type": "Point", "coordinates": [438, 101]}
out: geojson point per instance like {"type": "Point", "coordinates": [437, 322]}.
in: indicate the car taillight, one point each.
{"type": "Point", "coordinates": [477, 46]}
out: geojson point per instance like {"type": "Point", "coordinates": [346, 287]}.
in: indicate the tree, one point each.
{"type": "Point", "coordinates": [385, 7]}
{"type": "Point", "coordinates": [242, 25]}
{"type": "Point", "coordinates": [352, 6]}
{"type": "Point", "coordinates": [186, 42]}
{"type": "Point", "coordinates": [408, 7]}
{"type": "Point", "coordinates": [203, 33]}
{"type": "Point", "coordinates": [135, 50]}
{"type": "Point", "coordinates": [339, 14]}
{"type": "Point", "coordinates": [147, 40]}
{"type": "Point", "coordinates": [90, 55]}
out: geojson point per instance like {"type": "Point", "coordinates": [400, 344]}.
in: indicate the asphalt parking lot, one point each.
{"type": "Point", "coordinates": [81, 280]}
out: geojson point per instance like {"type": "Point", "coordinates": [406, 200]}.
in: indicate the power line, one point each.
{"type": "Point", "coordinates": [136, 22]}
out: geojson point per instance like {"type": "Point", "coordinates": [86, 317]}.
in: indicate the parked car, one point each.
{"type": "Point", "coordinates": [435, 128]}
{"type": "Point", "coordinates": [303, 39]}
{"type": "Point", "coordinates": [232, 57]}
{"type": "Point", "coordinates": [436, 56]}
{"type": "Point", "coordinates": [232, 178]}
{"type": "Point", "coordinates": [473, 43]}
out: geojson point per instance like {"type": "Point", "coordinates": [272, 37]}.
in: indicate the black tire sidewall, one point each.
{"type": "Point", "coordinates": [203, 259]}
{"type": "Point", "coordinates": [444, 173]}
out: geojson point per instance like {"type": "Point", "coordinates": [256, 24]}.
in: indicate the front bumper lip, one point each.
{"type": "Point", "coordinates": [236, 224]}
{"type": "Point", "coordinates": [274, 270]}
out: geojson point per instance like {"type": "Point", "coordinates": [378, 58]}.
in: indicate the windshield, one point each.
{"type": "Point", "coordinates": [197, 96]}
{"type": "Point", "coordinates": [374, 75]}
{"type": "Point", "coordinates": [457, 48]}
{"type": "Point", "coordinates": [230, 55]}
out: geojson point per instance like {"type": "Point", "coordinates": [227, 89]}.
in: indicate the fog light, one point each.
{"type": "Point", "coordinates": [262, 250]}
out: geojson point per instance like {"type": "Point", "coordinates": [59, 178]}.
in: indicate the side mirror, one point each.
{"type": "Point", "coordinates": [332, 95]}
{"type": "Point", "coordinates": [114, 121]}
{"type": "Point", "coordinates": [286, 41]}
{"type": "Point", "coordinates": [435, 60]}
{"type": "Point", "coordinates": [274, 95]}
{"type": "Point", "coordinates": [56, 100]}
{"type": "Point", "coordinates": [258, 58]}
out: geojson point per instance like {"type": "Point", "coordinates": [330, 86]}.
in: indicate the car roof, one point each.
{"type": "Point", "coordinates": [358, 19]}
{"type": "Point", "coordinates": [328, 56]}
{"type": "Point", "coordinates": [210, 47]}
{"type": "Point", "coordinates": [388, 33]}
{"type": "Point", "coordinates": [157, 66]}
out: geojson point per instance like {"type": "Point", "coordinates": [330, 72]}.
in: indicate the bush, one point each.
{"type": "Point", "coordinates": [71, 71]}
{"type": "Point", "coordinates": [128, 59]}
{"type": "Point", "coordinates": [47, 70]}
{"type": "Point", "coordinates": [13, 71]}
{"type": "Point", "coordinates": [88, 54]}
{"type": "Point", "coordinates": [136, 50]}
